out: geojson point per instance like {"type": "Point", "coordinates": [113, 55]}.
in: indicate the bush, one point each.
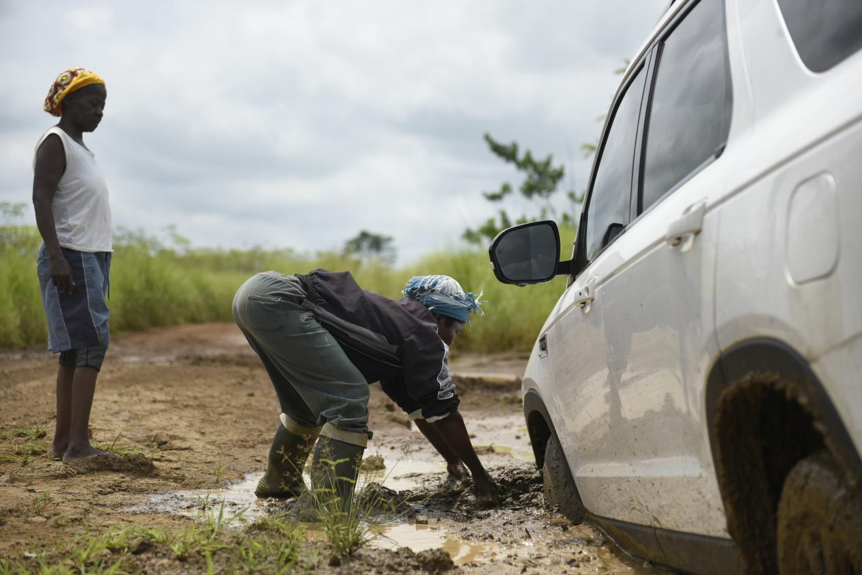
{"type": "Point", "coordinates": [156, 285]}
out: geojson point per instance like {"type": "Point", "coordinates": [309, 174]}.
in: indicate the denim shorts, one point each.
{"type": "Point", "coordinates": [80, 319]}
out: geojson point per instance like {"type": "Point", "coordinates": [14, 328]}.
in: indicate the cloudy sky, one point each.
{"type": "Point", "coordinates": [298, 124]}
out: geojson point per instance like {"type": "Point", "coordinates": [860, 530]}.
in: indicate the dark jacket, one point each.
{"type": "Point", "coordinates": [394, 342]}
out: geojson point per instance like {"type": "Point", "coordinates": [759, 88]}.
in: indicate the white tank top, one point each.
{"type": "Point", "coordinates": [82, 213]}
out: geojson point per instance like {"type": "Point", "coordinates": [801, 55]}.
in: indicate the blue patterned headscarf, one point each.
{"type": "Point", "coordinates": [443, 295]}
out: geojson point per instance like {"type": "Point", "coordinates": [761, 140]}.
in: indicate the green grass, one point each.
{"type": "Point", "coordinates": [119, 449]}
{"type": "Point", "coordinates": [29, 432]}
{"type": "Point", "coordinates": [25, 441]}
{"type": "Point", "coordinates": [347, 529]}
{"type": "Point", "coordinates": [44, 500]}
{"type": "Point", "coordinates": [154, 285]}
{"type": "Point", "coordinates": [271, 545]}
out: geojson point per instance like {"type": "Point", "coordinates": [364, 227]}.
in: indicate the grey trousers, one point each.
{"type": "Point", "coordinates": [317, 385]}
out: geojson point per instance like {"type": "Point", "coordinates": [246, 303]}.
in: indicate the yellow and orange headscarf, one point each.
{"type": "Point", "coordinates": [66, 83]}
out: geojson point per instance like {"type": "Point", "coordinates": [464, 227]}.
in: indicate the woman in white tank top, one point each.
{"type": "Point", "coordinates": [73, 214]}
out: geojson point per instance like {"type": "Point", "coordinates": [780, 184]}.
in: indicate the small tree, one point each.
{"type": "Point", "coordinates": [367, 245]}
{"type": "Point", "coordinates": [541, 181]}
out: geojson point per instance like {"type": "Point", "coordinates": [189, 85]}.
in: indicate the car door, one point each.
{"type": "Point", "coordinates": [657, 310]}
{"type": "Point", "coordinates": [575, 340]}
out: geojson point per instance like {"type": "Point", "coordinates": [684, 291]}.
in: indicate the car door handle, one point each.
{"type": "Point", "coordinates": [681, 232]}
{"type": "Point", "coordinates": [543, 345]}
{"type": "Point", "coordinates": [586, 295]}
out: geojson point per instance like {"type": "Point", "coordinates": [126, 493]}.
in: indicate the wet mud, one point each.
{"type": "Point", "coordinates": [190, 414]}
{"type": "Point", "coordinates": [132, 464]}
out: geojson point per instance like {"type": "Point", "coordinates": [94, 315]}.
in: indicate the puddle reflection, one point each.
{"type": "Point", "coordinates": [423, 537]}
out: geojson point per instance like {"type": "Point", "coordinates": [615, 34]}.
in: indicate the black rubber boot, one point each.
{"type": "Point", "coordinates": [287, 457]}
{"type": "Point", "coordinates": [334, 470]}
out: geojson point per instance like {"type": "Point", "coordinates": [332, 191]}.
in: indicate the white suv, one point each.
{"type": "Point", "coordinates": [696, 391]}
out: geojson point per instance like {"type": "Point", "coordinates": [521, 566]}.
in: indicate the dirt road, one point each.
{"type": "Point", "coordinates": [192, 412]}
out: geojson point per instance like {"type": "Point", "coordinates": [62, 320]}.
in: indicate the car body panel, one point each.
{"type": "Point", "coordinates": [659, 348]}
{"type": "Point", "coordinates": [842, 366]}
{"type": "Point", "coordinates": [825, 312]}
{"type": "Point", "coordinates": [777, 257]}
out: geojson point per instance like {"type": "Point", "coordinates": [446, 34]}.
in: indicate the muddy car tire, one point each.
{"type": "Point", "coordinates": [819, 520]}
{"type": "Point", "coordinates": [560, 492]}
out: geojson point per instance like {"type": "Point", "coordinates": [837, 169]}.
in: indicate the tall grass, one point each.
{"type": "Point", "coordinates": [21, 318]}
{"type": "Point", "coordinates": [153, 284]}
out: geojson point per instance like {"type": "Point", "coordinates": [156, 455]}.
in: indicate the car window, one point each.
{"type": "Point", "coordinates": [608, 210]}
{"type": "Point", "coordinates": [690, 109]}
{"type": "Point", "coordinates": [824, 32]}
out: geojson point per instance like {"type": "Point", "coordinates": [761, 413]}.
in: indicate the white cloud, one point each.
{"type": "Point", "coordinates": [296, 124]}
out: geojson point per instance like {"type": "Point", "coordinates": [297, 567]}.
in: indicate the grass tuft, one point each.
{"type": "Point", "coordinates": [120, 450]}
{"type": "Point", "coordinates": [44, 500]}
{"type": "Point", "coordinates": [273, 545]}
{"type": "Point", "coordinates": [27, 441]}
{"type": "Point", "coordinates": [29, 432]}
{"type": "Point", "coordinates": [349, 530]}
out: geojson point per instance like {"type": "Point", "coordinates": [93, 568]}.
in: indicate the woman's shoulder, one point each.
{"type": "Point", "coordinates": [52, 143]}
{"type": "Point", "coordinates": [54, 133]}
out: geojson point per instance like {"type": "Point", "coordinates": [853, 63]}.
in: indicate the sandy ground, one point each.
{"type": "Point", "coordinates": [195, 411]}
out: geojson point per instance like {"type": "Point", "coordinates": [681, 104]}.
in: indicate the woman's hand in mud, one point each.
{"type": "Point", "coordinates": [457, 471]}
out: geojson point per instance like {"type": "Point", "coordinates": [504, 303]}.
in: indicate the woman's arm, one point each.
{"type": "Point", "coordinates": [454, 431]}
{"type": "Point", "coordinates": [50, 166]}
{"type": "Point", "coordinates": [453, 462]}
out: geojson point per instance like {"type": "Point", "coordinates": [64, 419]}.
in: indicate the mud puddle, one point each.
{"type": "Point", "coordinates": [418, 537]}
{"type": "Point", "coordinates": [418, 491]}
{"type": "Point", "coordinates": [238, 502]}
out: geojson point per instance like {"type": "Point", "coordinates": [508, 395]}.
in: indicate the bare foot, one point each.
{"type": "Point", "coordinates": [57, 451]}
{"type": "Point", "coordinates": [86, 452]}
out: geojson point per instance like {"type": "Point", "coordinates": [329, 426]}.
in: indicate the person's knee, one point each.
{"type": "Point", "coordinates": [69, 358]}
{"type": "Point", "coordinates": [91, 356]}
{"type": "Point", "coordinates": [347, 415]}
{"type": "Point", "coordinates": [358, 437]}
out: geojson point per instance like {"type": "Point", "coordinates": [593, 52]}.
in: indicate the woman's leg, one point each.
{"type": "Point", "coordinates": [83, 389]}
{"type": "Point", "coordinates": [63, 429]}
{"type": "Point", "coordinates": [320, 373]}
{"type": "Point", "coordinates": [315, 381]}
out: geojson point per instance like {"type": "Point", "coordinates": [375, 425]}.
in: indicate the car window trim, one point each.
{"type": "Point", "coordinates": [657, 50]}
{"type": "Point", "coordinates": [640, 143]}
{"type": "Point", "coordinates": [798, 55]}
{"type": "Point", "coordinates": [641, 66]}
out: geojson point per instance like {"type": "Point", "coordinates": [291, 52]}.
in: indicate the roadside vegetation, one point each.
{"type": "Point", "coordinates": [162, 282]}
{"type": "Point", "coordinates": [272, 545]}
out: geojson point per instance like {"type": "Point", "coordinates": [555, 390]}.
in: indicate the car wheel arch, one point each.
{"type": "Point", "coordinates": [541, 428]}
{"type": "Point", "coordinates": [539, 425]}
{"type": "Point", "coordinates": [767, 410]}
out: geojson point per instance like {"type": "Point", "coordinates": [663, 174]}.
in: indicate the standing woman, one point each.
{"type": "Point", "coordinates": [74, 218]}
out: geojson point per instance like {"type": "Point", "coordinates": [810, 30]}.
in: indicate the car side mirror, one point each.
{"type": "Point", "coordinates": [528, 254]}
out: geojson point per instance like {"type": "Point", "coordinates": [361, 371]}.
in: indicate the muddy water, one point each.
{"type": "Point", "coordinates": [239, 500]}
{"type": "Point", "coordinates": [511, 537]}
{"type": "Point", "coordinates": [443, 515]}
{"type": "Point", "coordinates": [240, 507]}
{"type": "Point", "coordinates": [421, 537]}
